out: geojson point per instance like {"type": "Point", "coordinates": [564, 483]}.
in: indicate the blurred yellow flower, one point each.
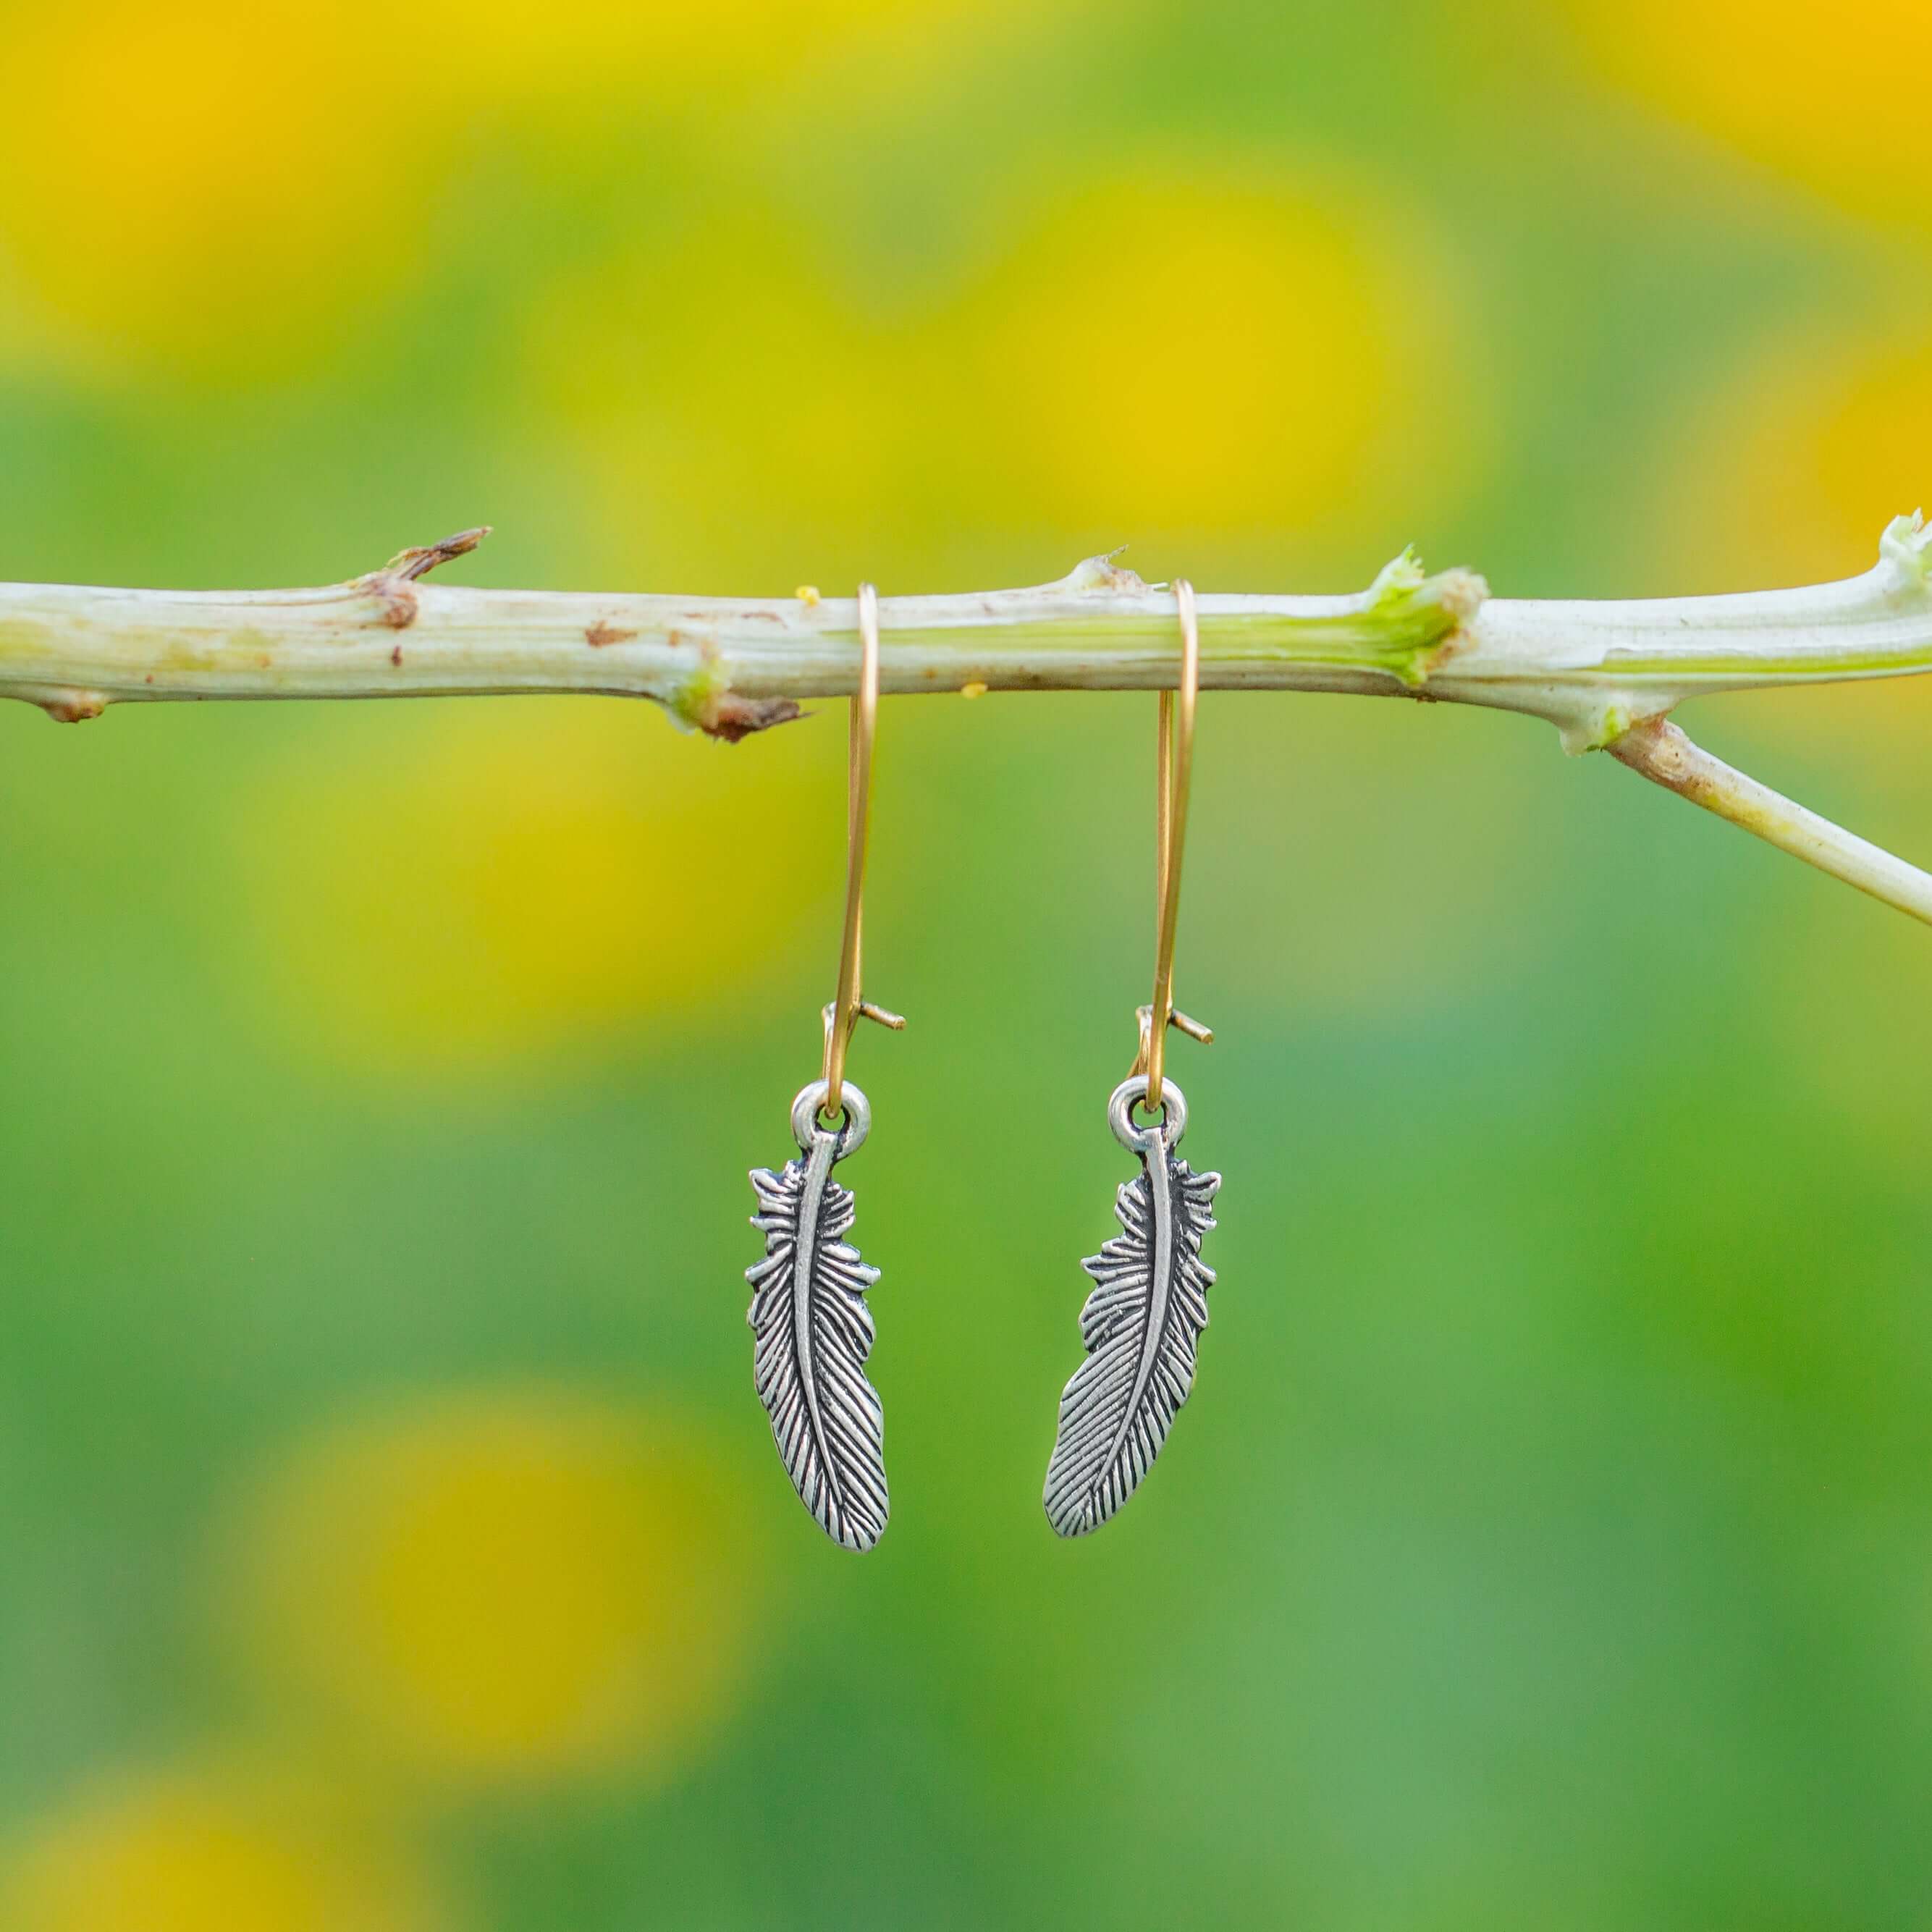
{"type": "Point", "coordinates": [522, 877]}
{"type": "Point", "coordinates": [209, 1850]}
{"type": "Point", "coordinates": [1789, 476]}
{"type": "Point", "coordinates": [1179, 351]}
{"type": "Point", "coordinates": [730, 403]}
{"type": "Point", "coordinates": [1838, 103]}
{"type": "Point", "coordinates": [1797, 464]}
{"type": "Point", "coordinates": [1182, 354]}
{"type": "Point", "coordinates": [1187, 349]}
{"type": "Point", "coordinates": [210, 184]}
{"type": "Point", "coordinates": [660, 52]}
{"type": "Point", "coordinates": [510, 1585]}
{"type": "Point", "coordinates": [224, 189]}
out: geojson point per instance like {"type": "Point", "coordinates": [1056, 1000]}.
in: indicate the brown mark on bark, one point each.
{"type": "Point", "coordinates": [74, 707]}
{"type": "Point", "coordinates": [600, 634]}
{"type": "Point", "coordinates": [1660, 751]}
{"type": "Point", "coordinates": [732, 718]}
{"type": "Point", "coordinates": [1461, 593]}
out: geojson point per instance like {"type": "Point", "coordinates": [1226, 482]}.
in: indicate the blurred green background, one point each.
{"type": "Point", "coordinates": [389, 1537]}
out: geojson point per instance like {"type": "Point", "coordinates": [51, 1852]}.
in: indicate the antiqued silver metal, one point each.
{"type": "Point", "coordinates": [1131, 1094]}
{"type": "Point", "coordinates": [1140, 1324]}
{"type": "Point", "coordinates": [807, 1120]}
{"type": "Point", "coordinates": [813, 1328]}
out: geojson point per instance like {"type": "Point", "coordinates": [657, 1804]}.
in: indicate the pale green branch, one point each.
{"type": "Point", "coordinates": [1598, 671]}
{"type": "Point", "coordinates": [1665, 756]}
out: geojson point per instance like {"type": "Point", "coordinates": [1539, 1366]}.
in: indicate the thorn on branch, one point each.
{"type": "Point", "coordinates": [392, 583]}
{"type": "Point", "coordinates": [1103, 573]}
{"type": "Point", "coordinates": [409, 565]}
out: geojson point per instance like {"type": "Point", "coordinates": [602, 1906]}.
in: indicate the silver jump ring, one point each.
{"type": "Point", "coordinates": [855, 1124]}
{"type": "Point", "coordinates": [1169, 1130]}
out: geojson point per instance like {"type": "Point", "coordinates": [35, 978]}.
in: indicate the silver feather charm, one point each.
{"type": "Point", "coordinates": [1140, 1324]}
{"type": "Point", "coordinates": [814, 1330]}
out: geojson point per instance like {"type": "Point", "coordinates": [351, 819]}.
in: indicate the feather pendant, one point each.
{"type": "Point", "coordinates": [815, 1331]}
{"type": "Point", "coordinates": [1140, 1324]}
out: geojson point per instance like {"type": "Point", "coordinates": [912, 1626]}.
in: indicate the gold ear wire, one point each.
{"type": "Point", "coordinates": [1174, 771]}
{"type": "Point", "coordinates": [848, 1003]}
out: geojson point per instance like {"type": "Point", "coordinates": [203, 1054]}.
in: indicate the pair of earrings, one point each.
{"type": "Point", "coordinates": [1141, 1322]}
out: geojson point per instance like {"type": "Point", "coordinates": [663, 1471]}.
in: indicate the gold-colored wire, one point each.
{"type": "Point", "coordinates": [849, 1003]}
{"type": "Point", "coordinates": [1174, 771]}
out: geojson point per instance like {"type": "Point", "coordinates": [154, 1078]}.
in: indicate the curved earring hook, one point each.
{"type": "Point", "coordinates": [1174, 773]}
{"type": "Point", "coordinates": [848, 1003]}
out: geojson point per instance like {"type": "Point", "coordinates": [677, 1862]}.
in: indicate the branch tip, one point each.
{"type": "Point", "coordinates": [1907, 546]}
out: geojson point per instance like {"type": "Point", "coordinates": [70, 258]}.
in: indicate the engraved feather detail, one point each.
{"type": "Point", "coordinates": [814, 1332]}
{"type": "Point", "coordinates": [1140, 1324]}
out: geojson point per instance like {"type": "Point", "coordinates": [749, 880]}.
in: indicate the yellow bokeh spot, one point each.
{"type": "Point", "coordinates": [661, 51]}
{"type": "Point", "coordinates": [1837, 103]}
{"type": "Point", "coordinates": [208, 185]}
{"type": "Point", "coordinates": [1856, 451]}
{"type": "Point", "coordinates": [212, 1852]}
{"type": "Point", "coordinates": [732, 397]}
{"type": "Point", "coordinates": [1181, 354]}
{"type": "Point", "coordinates": [508, 1586]}
{"type": "Point", "coordinates": [1792, 472]}
{"type": "Point", "coordinates": [1789, 476]}
{"type": "Point", "coordinates": [521, 878]}
{"type": "Point", "coordinates": [225, 190]}
{"type": "Point", "coordinates": [1186, 352]}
